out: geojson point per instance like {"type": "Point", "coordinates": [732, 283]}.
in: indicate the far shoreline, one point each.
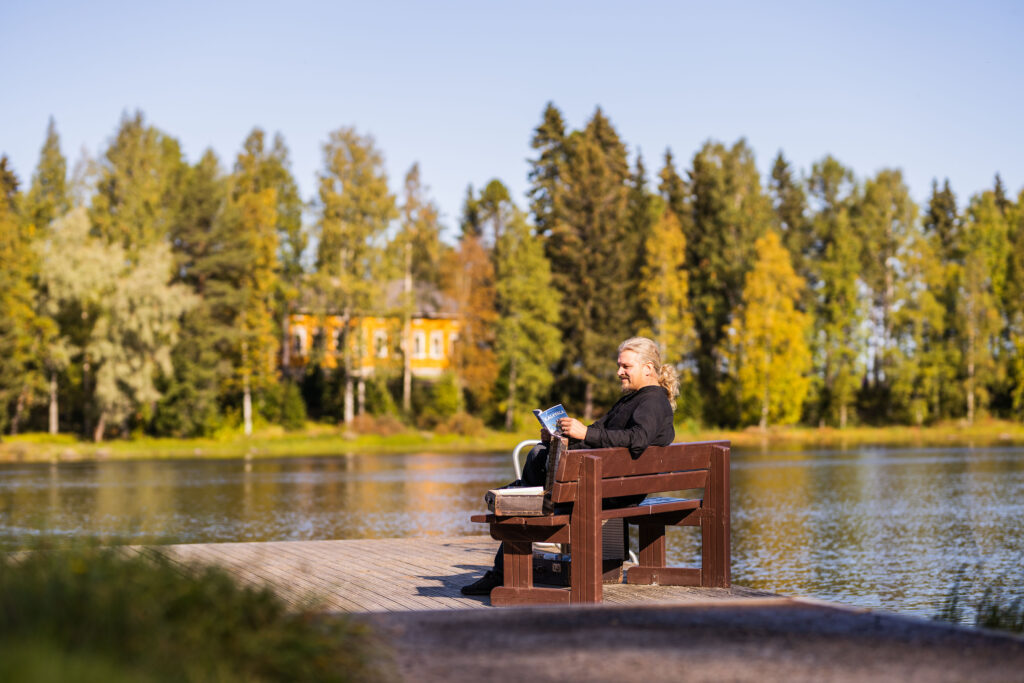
{"type": "Point", "coordinates": [326, 440]}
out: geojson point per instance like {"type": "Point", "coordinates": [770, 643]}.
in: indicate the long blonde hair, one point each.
{"type": "Point", "coordinates": [647, 351]}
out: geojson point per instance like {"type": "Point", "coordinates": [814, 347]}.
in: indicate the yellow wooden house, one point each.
{"type": "Point", "coordinates": [376, 342]}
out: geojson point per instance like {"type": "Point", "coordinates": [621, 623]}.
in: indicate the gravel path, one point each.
{"type": "Point", "coordinates": [778, 639]}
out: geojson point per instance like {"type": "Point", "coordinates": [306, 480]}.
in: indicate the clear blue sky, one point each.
{"type": "Point", "coordinates": [934, 88]}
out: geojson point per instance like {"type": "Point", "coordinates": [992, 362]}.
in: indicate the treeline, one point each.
{"type": "Point", "coordinates": [141, 293]}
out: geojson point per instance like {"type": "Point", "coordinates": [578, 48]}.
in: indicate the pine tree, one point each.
{"type": "Point", "coordinates": [355, 207]}
{"type": "Point", "coordinates": [768, 338]}
{"type": "Point", "coordinates": [527, 340]}
{"type": "Point", "coordinates": [22, 331]}
{"type": "Point", "coordinates": [252, 223]}
{"type": "Point", "coordinates": [139, 185]}
{"type": "Point", "coordinates": [48, 196]}
{"type": "Point", "coordinates": [418, 247]}
{"type": "Point", "coordinates": [643, 210]}
{"type": "Point", "coordinates": [48, 199]}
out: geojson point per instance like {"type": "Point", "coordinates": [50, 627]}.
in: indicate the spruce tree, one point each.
{"type": "Point", "coordinates": [549, 140]}
{"type": "Point", "coordinates": [728, 212]}
{"type": "Point", "coordinates": [789, 199]}
{"type": "Point", "coordinates": [588, 263]}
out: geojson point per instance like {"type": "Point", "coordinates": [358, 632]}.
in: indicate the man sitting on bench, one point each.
{"type": "Point", "coordinates": [641, 418]}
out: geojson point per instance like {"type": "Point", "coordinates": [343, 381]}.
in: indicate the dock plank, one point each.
{"type": "Point", "coordinates": [392, 575]}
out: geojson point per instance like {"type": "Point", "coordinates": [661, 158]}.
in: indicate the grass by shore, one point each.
{"type": "Point", "coordinates": [318, 439]}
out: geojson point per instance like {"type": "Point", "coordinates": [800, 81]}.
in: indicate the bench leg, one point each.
{"type": "Point", "coordinates": [652, 569]}
{"type": "Point", "coordinates": [518, 588]}
{"type": "Point", "coordinates": [585, 531]}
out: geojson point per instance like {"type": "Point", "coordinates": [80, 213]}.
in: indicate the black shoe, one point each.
{"type": "Point", "coordinates": [484, 585]}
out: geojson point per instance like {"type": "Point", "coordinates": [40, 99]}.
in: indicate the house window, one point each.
{"type": "Point", "coordinates": [299, 342]}
{"type": "Point", "coordinates": [437, 344]}
{"type": "Point", "coordinates": [419, 345]}
{"type": "Point", "coordinates": [380, 343]}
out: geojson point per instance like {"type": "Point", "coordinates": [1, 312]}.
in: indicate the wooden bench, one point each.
{"type": "Point", "coordinates": [583, 478]}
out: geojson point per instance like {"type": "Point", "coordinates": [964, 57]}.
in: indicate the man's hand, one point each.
{"type": "Point", "coordinates": [572, 427]}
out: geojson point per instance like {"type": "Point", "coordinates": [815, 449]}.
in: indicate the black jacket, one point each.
{"type": "Point", "coordinates": [639, 419]}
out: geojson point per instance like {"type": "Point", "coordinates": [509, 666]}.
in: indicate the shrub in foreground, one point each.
{"type": "Point", "coordinates": [102, 615]}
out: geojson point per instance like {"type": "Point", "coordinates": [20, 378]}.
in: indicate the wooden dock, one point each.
{"type": "Point", "coordinates": [393, 575]}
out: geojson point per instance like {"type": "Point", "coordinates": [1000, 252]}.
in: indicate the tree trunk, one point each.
{"type": "Point", "coordinates": [842, 416]}
{"type": "Point", "coordinates": [19, 410]}
{"type": "Point", "coordinates": [87, 392]}
{"type": "Point", "coordinates": [101, 426]}
{"type": "Point", "coordinates": [971, 335]}
{"type": "Point", "coordinates": [348, 410]}
{"type": "Point", "coordinates": [510, 413]}
{"type": "Point", "coordinates": [407, 335]}
{"type": "Point", "coordinates": [588, 402]}
{"type": "Point", "coordinates": [247, 407]}
{"type": "Point", "coordinates": [54, 414]}
{"type": "Point", "coordinates": [361, 396]}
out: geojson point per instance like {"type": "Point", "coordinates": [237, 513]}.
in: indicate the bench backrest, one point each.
{"type": "Point", "coordinates": [658, 469]}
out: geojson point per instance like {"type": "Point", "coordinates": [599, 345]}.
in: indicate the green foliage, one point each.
{"type": "Point", "coordinates": [728, 211]}
{"type": "Point", "coordinates": [131, 308]}
{"type": "Point", "coordinates": [768, 354]}
{"type": "Point", "coordinates": [527, 339]}
{"type": "Point", "coordinates": [95, 614]}
{"type": "Point", "coordinates": [582, 180]}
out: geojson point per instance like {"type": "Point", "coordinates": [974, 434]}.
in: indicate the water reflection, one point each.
{"type": "Point", "coordinates": [873, 527]}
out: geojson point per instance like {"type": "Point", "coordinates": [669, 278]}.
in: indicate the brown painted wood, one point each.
{"type": "Point", "coordinates": [585, 530]}
{"type": "Point", "coordinates": [629, 486]}
{"type": "Point", "coordinates": [534, 534]}
{"type": "Point", "coordinates": [585, 477]}
{"type": "Point", "coordinates": [503, 596]}
{"type": "Point", "coordinates": [664, 576]}
{"type": "Point", "coordinates": [651, 544]}
{"type": "Point", "coordinates": [518, 565]}
{"type": "Point", "coordinates": [618, 462]}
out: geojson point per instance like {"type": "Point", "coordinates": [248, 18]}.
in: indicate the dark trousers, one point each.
{"type": "Point", "coordinates": [535, 472]}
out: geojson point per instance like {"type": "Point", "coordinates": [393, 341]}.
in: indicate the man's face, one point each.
{"type": "Point", "coordinates": [632, 373]}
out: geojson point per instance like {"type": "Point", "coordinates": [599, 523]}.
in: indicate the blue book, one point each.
{"type": "Point", "coordinates": [549, 418]}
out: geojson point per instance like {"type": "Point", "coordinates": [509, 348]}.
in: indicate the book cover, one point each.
{"type": "Point", "coordinates": [549, 418]}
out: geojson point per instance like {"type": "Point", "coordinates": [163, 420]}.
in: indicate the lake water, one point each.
{"type": "Point", "coordinates": [874, 527]}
